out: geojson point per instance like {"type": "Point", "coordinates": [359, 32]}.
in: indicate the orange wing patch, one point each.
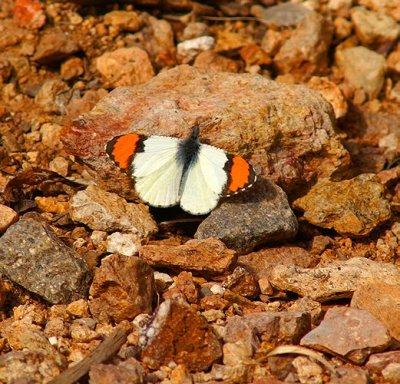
{"type": "Point", "coordinates": [122, 148]}
{"type": "Point", "coordinates": [240, 174]}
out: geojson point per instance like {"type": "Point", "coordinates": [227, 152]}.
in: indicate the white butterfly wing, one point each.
{"type": "Point", "coordinates": [157, 172]}
{"type": "Point", "coordinates": [204, 181]}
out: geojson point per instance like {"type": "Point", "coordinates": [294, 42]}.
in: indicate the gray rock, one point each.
{"type": "Point", "coordinates": [362, 68]}
{"type": "Point", "coordinates": [281, 15]}
{"type": "Point", "coordinates": [32, 256]}
{"type": "Point", "coordinates": [335, 280]}
{"type": "Point", "coordinates": [351, 333]}
{"type": "Point", "coordinates": [104, 211]}
{"type": "Point", "coordinates": [250, 219]}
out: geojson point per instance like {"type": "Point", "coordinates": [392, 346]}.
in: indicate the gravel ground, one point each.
{"type": "Point", "coordinates": [296, 280]}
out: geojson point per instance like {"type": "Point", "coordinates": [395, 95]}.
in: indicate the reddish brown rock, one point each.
{"type": "Point", "coordinates": [360, 334]}
{"type": "Point", "coordinates": [253, 54]}
{"type": "Point", "coordinates": [284, 142]}
{"type": "Point", "coordinates": [7, 217]}
{"type": "Point", "coordinates": [269, 327]}
{"type": "Point", "coordinates": [129, 371]}
{"type": "Point", "coordinates": [353, 207]}
{"type": "Point", "coordinates": [72, 68]}
{"type": "Point", "coordinates": [379, 361]}
{"type": "Point", "coordinates": [177, 333]}
{"type": "Point", "coordinates": [381, 300]}
{"type": "Point", "coordinates": [122, 288]}
{"type": "Point", "coordinates": [259, 261]}
{"type": "Point", "coordinates": [305, 53]}
{"type": "Point", "coordinates": [215, 302]}
{"type": "Point", "coordinates": [242, 282]}
{"type": "Point", "coordinates": [29, 14]}
{"type": "Point", "coordinates": [206, 257]}
{"type": "Point", "coordinates": [184, 282]}
{"type": "Point", "coordinates": [125, 66]}
{"type": "Point", "coordinates": [55, 45]}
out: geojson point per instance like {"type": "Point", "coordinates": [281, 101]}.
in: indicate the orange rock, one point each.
{"type": "Point", "coordinates": [253, 54]}
{"type": "Point", "coordinates": [51, 204]}
{"type": "Point", "coordinates": [29, 14]}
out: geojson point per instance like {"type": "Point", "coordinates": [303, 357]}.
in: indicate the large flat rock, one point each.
{"type": "Point", "coordinates": [286, 131]}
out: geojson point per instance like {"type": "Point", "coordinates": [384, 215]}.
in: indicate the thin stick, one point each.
{"type": "Point", "coordinates": [108, 348]}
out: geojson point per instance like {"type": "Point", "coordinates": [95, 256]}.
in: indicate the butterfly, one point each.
{"type": "Point", "coordinates": [168, 171]}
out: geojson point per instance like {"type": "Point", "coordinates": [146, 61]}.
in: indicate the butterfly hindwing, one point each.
{"type": "Point", "coordinates": [241, 175]}
{"type": "Point", "coordinates": [204, 181]}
